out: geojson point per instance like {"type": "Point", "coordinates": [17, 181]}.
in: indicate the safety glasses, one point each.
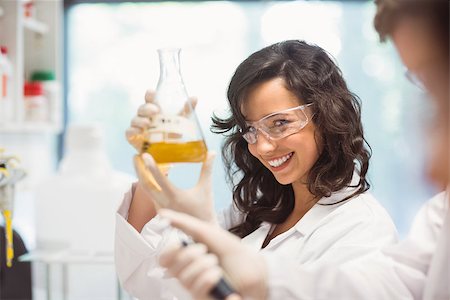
{"type": "Point", "coordinates": [277, 125]}
{"type": "Point", "coordinates": [415, 79]}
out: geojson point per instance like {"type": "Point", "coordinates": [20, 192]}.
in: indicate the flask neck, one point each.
{"type": "Point", "coordinates": [169, 61]}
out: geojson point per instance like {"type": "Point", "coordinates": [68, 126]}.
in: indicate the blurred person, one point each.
{"type": "Point", "coordinates": [416, 268]}
{"type": "Point", "coordinates": [296, 151]}
{"type": "Point", "coordinates": [420, 33]}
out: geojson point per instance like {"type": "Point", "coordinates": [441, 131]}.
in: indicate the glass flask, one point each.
{"type": "Point", "coordinates": [175, 135]}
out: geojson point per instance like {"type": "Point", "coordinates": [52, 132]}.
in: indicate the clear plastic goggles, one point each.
{"type": "Point", "coordinates": [278, 125]}
{"type": "Point", "coordinates": [415, 79]}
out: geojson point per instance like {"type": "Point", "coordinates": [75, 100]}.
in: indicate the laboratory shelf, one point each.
{"type": "Point", "coordinates": [35, 25]}
{"type": "Point", "coordinates": [33, 43]}
{"type": "Point", "coordinates": [29, 128]}
{"type": "Point", "coordinates": [69, 256]}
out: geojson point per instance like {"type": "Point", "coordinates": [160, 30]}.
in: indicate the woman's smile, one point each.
{"type": "Point", "coordinates": [280, 162]}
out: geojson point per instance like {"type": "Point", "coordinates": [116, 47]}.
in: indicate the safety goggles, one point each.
{"type": "Point", "coordinates": [277, 125]}
{"type": "Point", "coordinates": [415, 79]}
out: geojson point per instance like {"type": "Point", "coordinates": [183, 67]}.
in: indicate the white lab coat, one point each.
{"type": "Point", "coordinates": [326, 234]}
{"type": "Point", "coordinates": [416, 268]}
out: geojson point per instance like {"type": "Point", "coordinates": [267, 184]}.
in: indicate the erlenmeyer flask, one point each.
{"type": "Point", "coordinates": [175, 135]}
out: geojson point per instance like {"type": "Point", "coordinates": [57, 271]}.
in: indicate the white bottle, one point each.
{"type": "Point", "coordinates": [76, 207]}
{"type": "Point", "coordinates": [75, 213]}
{"type": "Point", "coordinates": [5, 86]}
{"type": "Point", "coordinates": [35, 103]}
{"type": "Point", "coordinates": [52, 91]}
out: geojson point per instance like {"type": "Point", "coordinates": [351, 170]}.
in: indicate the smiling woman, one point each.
{"type": "Point", "coordinates": [300, 186]}
{"type": "Point", "coordinates": [292, 154]}
{"type": "Point", "coordinates": [309, 163]}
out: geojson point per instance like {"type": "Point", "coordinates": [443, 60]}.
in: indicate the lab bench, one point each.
{"type": "Point", "coordinates": [63, 259]}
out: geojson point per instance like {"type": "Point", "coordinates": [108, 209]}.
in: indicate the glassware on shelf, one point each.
{"type": "Point", "coordinates": [52, 92]}
{"type": "Point", "coordinates": [6, 109]}
{"type": "Point", "coordinates": [35, 103]}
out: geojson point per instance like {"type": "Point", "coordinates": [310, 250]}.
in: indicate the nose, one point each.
{"type": "Point", "coordinates": [264, 143]}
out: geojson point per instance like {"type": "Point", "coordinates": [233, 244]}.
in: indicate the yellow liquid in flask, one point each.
{"type": "Point", "coordinates": [173, 152]}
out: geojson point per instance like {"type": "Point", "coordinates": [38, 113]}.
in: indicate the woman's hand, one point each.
{"type": "Point", "coordinates": [202, 203]}
{"type": "Point", "coordinates": [197, 201]}
{"type": "Point", "coordinates": [196, 265]}
{"type": "Point", "coordinates": [196, 269]}
{"type": "Point", "coordinates": [141, 122]}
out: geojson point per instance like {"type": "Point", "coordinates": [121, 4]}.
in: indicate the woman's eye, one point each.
{"type": "Point", "coordinates": [280, 123]}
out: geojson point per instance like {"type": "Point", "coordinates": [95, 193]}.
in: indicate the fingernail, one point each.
{"type": "Point", "coordinates": [147, 157]}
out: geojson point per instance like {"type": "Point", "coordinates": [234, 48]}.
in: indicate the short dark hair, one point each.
{"type": "Point", "coordinates": [434, 12]}
{"type": "Point", "coordinates": [309, 73]}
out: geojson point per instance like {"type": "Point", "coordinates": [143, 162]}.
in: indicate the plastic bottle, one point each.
{"type": "Point", "coordinates": [76, 207]}
{"type": "Point", "coordinates": [5, 86]}
{"type": "Point", "coordinates": [75, 212]}
{"type": "Point", "coordinates": [52, 91]}
{"type": "Point", "coordinates": [35, 103]}
{"type": "Point", "coordinates": [29, 9]}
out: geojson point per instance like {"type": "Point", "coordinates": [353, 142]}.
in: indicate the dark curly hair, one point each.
{"type": "Point", "coordinates": [313, 77]}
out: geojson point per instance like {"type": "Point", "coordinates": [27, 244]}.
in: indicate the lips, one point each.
{"type": "Point", "coordinates": [279, 161]}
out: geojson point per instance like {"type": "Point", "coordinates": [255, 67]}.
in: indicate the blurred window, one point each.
{"type": "Point", "coordinates": [112, 60]}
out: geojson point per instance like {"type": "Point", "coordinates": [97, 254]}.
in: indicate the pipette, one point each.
{"type": "Point", "coordinates": [9, 175]}
{"type": "Point", "coordinates": [222, 289]}
{"type": "Point", "coordinates": [9, 238]}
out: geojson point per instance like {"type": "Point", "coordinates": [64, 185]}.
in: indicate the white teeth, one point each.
{"type": "Point", "coordinates": [279, 161]}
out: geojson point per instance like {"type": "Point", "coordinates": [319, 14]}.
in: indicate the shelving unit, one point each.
{"type": "Point", "coordinates": [35, 25]}
{"type": "Point", "coordinates": [34, 43]}
{"type": "Point", "coordinates": [29, 128]}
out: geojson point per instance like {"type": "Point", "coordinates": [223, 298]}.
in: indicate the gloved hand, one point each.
{"type": "Point", "coordinates": [141, 121]}
{"type": "Point", "coordinates": [197, 270]}
{"type": "Point", "coordinates": [196, 201]}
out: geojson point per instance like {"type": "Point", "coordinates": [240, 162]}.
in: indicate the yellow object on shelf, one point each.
{"type": "Point", "coordinates": [9, 237]}
{"type": "Point", "coordinates": [10, 174]}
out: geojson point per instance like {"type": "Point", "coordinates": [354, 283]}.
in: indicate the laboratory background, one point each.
{"type": "Point", "coordinates": [73, 74]}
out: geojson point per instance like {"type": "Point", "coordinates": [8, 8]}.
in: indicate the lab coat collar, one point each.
{"type": "Point", "coordinates": [322, 208]}
{"type": "Point", "coordinates": [257, 237]}
{"type": "Point", "coordinates": [343, 193]}
{"type": "Point", "coordinates": [306, 224]}
{"type": "Point", "coordinates": [303, 227]}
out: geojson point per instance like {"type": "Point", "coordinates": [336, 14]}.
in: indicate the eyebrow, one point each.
{"type": "Point", "coordinates": [275, 113]}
